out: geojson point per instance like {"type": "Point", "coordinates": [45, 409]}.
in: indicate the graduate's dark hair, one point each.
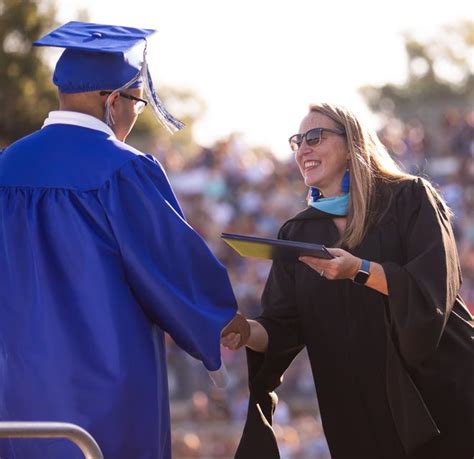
{"type": "Point", "coordinates": [369, 164]}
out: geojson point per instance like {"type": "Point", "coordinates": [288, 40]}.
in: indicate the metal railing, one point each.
{"type": "Point", "coordinates": [72, 432]}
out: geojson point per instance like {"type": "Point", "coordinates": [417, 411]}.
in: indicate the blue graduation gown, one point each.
{"type": "Point", "coordinates": [96, 263]}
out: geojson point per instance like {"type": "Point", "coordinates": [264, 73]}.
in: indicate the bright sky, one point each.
{"type": "Point", "coordinates": [259, 63]}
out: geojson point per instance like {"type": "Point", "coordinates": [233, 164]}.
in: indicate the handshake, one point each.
{"type": "Point", "coordinates": [236, 333]}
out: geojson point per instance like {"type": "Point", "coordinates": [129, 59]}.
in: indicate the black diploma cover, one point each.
{"type": "Point", "coordinates": [275, 249]}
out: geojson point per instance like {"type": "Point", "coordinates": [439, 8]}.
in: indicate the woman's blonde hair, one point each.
{"type": "Point", "coordinates": [369, 161]}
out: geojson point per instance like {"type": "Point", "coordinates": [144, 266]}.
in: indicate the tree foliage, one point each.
{"type": "Point", "coordinates": [26, 90]}
{"type": "Point", "coordinates": [439, 71]}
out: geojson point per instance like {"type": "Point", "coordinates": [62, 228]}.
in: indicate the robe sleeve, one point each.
{"type": "Point", "coordinates": [176, 279]}
{"type": "Point", "coordinates": [280, 317]}
{"type": "Point", "coordinates": [280, 320]}
{"type": "Point", "coordinates": [422, 291]}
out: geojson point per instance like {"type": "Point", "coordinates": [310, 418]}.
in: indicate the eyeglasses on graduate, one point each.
{"type": "Point", "coordinates": [139, 103]}
{"type": "Point", "coordinates": [313, 137]}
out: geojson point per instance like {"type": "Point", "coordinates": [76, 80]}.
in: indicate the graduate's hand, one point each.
{"type": "Point", "coordinates": [344, 265]}
{"type": "Point", "coordinates": [257, 339]}
{"type": "Point", "coordinates": [236, 333]}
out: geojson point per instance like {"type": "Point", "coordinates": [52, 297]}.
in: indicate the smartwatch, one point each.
{"type": "Point", "coordinates": [363, 273]}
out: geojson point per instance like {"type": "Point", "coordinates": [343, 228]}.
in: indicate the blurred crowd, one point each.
{"type": "Point", "coordinates": [231, 187]}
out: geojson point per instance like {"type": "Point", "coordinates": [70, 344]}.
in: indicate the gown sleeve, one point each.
{"type": "Point", "coordinates": [281, 321]}
{"type": "Point", "coordinates": [422, 291]}
{"type": "Point", "coordinates": [280, 318]}
{"type": "Point", "coordinates": [176, 279]}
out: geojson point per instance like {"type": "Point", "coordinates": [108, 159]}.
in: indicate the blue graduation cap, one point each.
{"type": "Point", "coordinates": [105, 57]}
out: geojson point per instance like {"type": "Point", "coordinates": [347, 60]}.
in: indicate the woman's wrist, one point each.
{"type": "Point", "coordinates": [355, 270]}
{"type": "Point", "coordinates": [377, 279]}
{"type": "Point", "coordinates": [258, 339]}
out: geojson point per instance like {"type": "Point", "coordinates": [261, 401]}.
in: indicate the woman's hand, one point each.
{"type": "Point", "coordinates": [346, 266]}
{"type": "Point", "coordinates": [343, 266]}
{"type": "Point", "coordinates": [231, 341]}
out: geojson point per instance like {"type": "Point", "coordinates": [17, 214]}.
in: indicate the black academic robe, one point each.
{"type": "Point", "coordinates": [394, 374]}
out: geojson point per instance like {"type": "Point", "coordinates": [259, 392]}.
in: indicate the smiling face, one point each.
{"type": "Point", "coordinates": [323, 165]}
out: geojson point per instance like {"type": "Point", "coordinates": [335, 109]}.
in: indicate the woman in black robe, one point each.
{"type": "Point", "coordinates": [390, 341]}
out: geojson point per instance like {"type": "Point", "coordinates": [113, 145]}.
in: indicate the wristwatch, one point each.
{"type": "Point", "coordinates": [363, 273]}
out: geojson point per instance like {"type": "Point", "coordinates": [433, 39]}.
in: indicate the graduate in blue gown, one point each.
{"type": "Point", "coordinates": [97, 262]}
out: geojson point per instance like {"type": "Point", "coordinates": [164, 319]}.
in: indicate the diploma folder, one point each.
{"type": "Point", "coordinates": [274, 249]}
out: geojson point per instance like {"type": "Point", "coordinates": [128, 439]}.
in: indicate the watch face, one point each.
{"type": "Point", "coordinates": [361, 277]}
{"type": "Point", "coordinates": [363, 274]}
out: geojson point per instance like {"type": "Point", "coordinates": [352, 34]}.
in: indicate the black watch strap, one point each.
{"type": "Point", "coordinates": [363, 274]}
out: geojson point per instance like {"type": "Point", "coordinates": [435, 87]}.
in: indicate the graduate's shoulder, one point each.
{"type": "Point", "coordinates": [69, 142]}
{"type": "Point", "coordinates": [64, 156]}
{"type": "Point", "coordinates": [114, 154]}
{"type": "Point", "coordinates": [130, 156]}
{"type": "Point", "coordinates": [20, 143]}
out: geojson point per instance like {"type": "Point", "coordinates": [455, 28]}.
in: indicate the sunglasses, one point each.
{"type": "Point", "coordinates": [313, 137]}
{"type": "Point", "coordinates": [140, 104]}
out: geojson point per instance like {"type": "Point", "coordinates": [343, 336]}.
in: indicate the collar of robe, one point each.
{"type": "Point", "coordinates": [77, 119]}
{"type": "Point", "coordinates": [336, 205]}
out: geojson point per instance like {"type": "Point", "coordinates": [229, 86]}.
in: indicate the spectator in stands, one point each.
{"type": "Point", "coordinates": [388, 337]}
